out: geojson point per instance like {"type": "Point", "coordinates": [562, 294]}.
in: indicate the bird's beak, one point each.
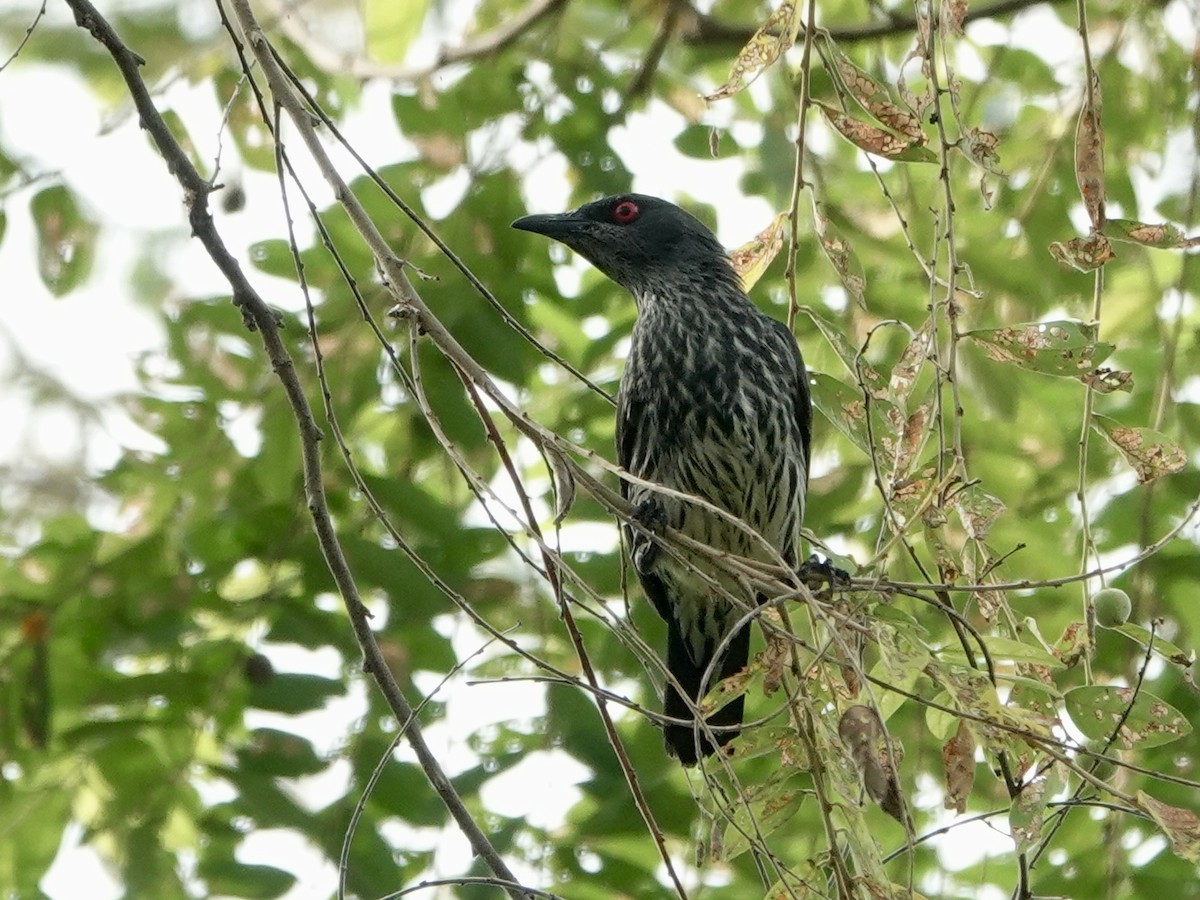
{"type": "Point", "coordinates": [558, 226]}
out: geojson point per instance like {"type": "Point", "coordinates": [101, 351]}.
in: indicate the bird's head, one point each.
{"type": "Point", "coordinates": [638, 241]}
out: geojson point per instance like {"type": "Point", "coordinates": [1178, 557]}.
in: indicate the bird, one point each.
{"type": "Point", "coordinates": [714, 402]}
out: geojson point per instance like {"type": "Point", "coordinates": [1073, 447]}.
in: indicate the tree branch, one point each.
{"type": "Point", "coordinates": [258, 316]}
{"type": "Point", "coordinates": [358, 65]}
{"type": "Point", "coordinates": [704, 29]}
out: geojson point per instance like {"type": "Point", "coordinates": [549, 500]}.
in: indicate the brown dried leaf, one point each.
{"type": "Point", "coordinates": [1182, 826]}
{"type": "Point", "coordinates": [958, 765]}
{"type": "Point", "coordinates": [876, 99]}
{"type": "Point", "coordinates": [978, 510]}
{"type": "Point", "coordinates": [769, 43]}
{"type": "Point", "coordinates": [1105, 380]}
{"type": "Point", "coordinates": [751, 260]}
{"type": "Point", "coordinates": [915, 430]}
{"type": "Point", "coordinates": [1085, 254]}
{"type": "Point", "coordinates": [980, 147]}
{"type": "Point", "coordinates": [776, 658]}
{"type": "Point", "coordinates": [908, 367]}
{"type": "Point", "coordinates": [1150, 453]}
{"type": "Point", "coordinates": [954, 13]}
{"type": "Point", "coordinates": [876, 140]}
{"type": "Point", "coordinates": [1072, 646]}
{"type": "Point", "coordinates": [864, 737]}
{"type": "Point", "coordinates": [1162, 236]}
{"type": "Point", "coordinates": [1089, 155]}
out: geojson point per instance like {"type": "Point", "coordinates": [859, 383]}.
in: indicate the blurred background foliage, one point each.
{"type": "Point", "coordinates": [177, 675]}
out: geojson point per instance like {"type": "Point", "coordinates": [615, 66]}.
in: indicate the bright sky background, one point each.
{"type": "Point", "coordinates": [91, 338]}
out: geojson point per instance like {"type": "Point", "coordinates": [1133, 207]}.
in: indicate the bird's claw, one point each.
{"type": "Point", "coordinates": [816, 573]}
{"type": "Point", "coordinates": [653, 518]}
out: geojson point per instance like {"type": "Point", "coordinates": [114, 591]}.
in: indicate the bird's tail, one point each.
{"type": "Point", "coordinates": [688, 742]}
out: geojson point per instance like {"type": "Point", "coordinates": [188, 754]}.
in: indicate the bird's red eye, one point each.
{"type": "Point", "coordinates": [625, 212]}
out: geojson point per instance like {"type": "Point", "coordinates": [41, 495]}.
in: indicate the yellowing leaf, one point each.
{"type": "Point", "coordinates": [392, 27]}
{"type": "Point", "coordinates": [751, 260]}
{"type": "Point", "coordinates": [769, 43]}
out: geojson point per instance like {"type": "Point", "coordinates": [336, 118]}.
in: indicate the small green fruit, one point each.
{"type": "Point", "coordinates": [1112, 607]}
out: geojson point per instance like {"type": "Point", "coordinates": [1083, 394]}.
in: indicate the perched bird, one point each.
{"type": "Point", "coordinates": [714, 403]}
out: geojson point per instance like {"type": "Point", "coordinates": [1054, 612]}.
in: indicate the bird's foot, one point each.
{"type": "Point", "coordinates": [653, 518]}
{"type": "Point", "coordinates": [816, 573]}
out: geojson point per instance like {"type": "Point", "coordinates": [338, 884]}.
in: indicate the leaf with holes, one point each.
{"type": "Point", "coordinates": [1151, 454]}
{"type": "Point", "coordinates": [1085, 254]}
{"type": "Point", "coordinates": [980, 148]}
{"type": "Point", "coordinates": [769, 43]}
{"type": "Point", "coordinates": [1105, 380]}
{"type": "Point", "coordinates": [909, 365]}
{"type": "Point", "coordinates": [1098, 709]}
{"type": "Point", "coordinates": [1162, 236]}
{"type": "Point", "coordinates": [751, 260]}
{"type": "Point", "coordinates": [845, 408]}
{"type": "Point", "coordinates": [841, 255]}
{"type": "Point", "coordinates": [876, 140]}
{"type": "Point", "coordinates": [978, 510]}
{"type": "Point", "coordinates": [875, 98]}
{"type": "Point", "coordinates": [1027, 814]}
{"type": "Point", "coordinates": [1052, 348]}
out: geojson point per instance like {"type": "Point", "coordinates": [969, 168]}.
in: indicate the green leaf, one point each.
{"type": "Point", "coordinates": [1062, 348]}
{"type": "Point", "coordinates": [843, 405]}
{"type": "Point", "coordinates": [1162, 236]}
{"type": "Point", "coordinates": [66, 239]}
{"type": "Point", "coordinates": [1097, 709]}
{"type": "Point", "coordinates": [764, 812]}
{"type": "Point", "coordinates": [234, 879]}
{"type": "Point", "coordinates": [293, 692]}
{"type": "Point", "coordinates": [1162, 647]}
{"type": "Point", "coordinates": [1002, 648]}
{"type": "Point", "coordinates": [392, 27]}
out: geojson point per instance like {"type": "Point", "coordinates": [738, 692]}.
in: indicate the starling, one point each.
{"type": "Point", "coordinates": [714, 403]}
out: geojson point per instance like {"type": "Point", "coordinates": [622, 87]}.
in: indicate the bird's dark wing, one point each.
{"type": "Point", "coordinates": [631, 455]}
{"type": "Point", "coordinates": [802, 395]}
{"type": "Point", "coordinates": [631, 413]}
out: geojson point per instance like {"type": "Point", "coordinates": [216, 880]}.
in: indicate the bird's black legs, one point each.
{"type": "Point", "coordinates": [816, 573]}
